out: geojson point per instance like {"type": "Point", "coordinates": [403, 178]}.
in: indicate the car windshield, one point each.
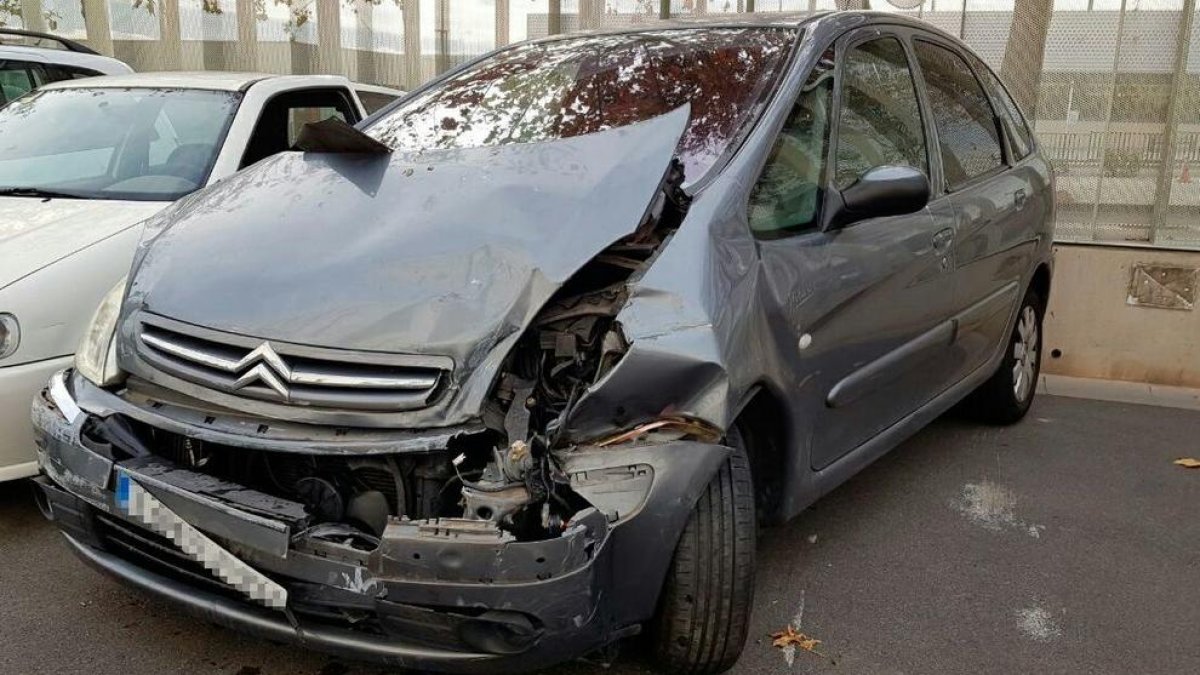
{"type": "Point", "coordinates": [101, 143]}
{"type": "Point", "coordinates": [575, 86]}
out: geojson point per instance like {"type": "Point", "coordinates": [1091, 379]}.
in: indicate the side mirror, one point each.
{"type": "Point", "coordinates": [882, 191]}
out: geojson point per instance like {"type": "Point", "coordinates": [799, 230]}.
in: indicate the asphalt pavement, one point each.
{"type": "Point", "coordinates": [1068, 543]}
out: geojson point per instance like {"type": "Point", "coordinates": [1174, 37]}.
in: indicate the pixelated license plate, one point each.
{"type": "Point", "coordinates": [136, 502]}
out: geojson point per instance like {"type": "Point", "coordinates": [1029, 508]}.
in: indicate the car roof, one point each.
{"type": "Point", "coordinates": [62, 57]}
{"type": "Point", "coordinates": [211, 80]}
{"type": "Point", "coordinates": [757, 20]}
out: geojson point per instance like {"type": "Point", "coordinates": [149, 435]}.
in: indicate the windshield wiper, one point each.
{"type": "Point", "coordinates": [39, 192]}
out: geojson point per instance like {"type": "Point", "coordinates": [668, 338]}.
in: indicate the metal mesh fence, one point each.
{"type": "Point", "coordinates": [1113, 86]}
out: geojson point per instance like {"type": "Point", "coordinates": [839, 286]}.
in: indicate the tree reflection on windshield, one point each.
{"type": "Point", "coordinates": [577, 86]}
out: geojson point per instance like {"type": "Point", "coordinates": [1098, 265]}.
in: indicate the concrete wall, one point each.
{"type": "Point", "coordinates": [1094, 330]}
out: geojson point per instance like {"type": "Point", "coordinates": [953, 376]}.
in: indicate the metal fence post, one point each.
{"type": "Point", "coordinates": [329, 37]}
{"type": "Point", "coordinates": [441, 34]}
{"type": "Point", "coordinates": [33, 17]}
{"type": "Point", "coordinates": [246, 52]}
{"type": "Point", "coordinates": [96, 23]}
{"type": "Point", "coordinates": [553, 17]}
{"type": "Point", "coordinates": [1112, 95]}
{"type": "Point", "coordinates": [1179, 78]}
{"type": "Point", "coordinates": [170, 41]}
{"type": "Point", "coordinates": [413, 72]}
{"type": "Point", "coordinates": [502, 19]}
{"type": "Point", "coordinates": [591, 13]}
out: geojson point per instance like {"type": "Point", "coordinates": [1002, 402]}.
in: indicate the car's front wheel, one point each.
{"type": "Point", "coordinates": [705, 610]}
{"type": "Point", "coordinates": [1006, 397]}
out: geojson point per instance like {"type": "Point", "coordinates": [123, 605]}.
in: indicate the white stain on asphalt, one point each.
{"type": "Point", "coordinates": [993, 507]}
{"type": "Point", "coordinates": [789, 651]}
{"type": "Point", "coordinates": [988, 504]}
{"type": "Point", "coordinates": [1038, 624]}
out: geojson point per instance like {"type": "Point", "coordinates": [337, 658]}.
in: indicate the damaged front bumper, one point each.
{"type": "Point", "coordinates": [440, 594]}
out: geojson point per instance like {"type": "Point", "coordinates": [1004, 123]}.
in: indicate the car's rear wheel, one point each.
{"type": "Point", "coordinates": [1006, 397]}
{"type": "Point", "coordinates": [705, 610]}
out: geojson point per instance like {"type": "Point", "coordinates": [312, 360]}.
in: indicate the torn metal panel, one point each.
{"type": "Point", "coordinates": [455, 550]}
{"type": "Point", "coordinates": [452, 257]}
{"type": "Point", "coordinates": [335, 136]}
{"type": "Point", "coordinates": [645, 538]}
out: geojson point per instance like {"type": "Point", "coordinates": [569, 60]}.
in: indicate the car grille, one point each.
{"type": "Point", "coordinates": [291, 374]}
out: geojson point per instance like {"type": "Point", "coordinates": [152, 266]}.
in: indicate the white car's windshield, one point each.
{"type": "Point", "coordinates": [136, 144]}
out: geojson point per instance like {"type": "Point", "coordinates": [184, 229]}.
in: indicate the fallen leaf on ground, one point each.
{"type": "Point", "coordinates": [1188, 462]}
{"type": "Point", "coordinates": [790, 636]}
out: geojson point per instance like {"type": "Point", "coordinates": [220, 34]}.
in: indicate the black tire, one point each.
{"type": "Point", "coordinates": [704, 614]}
{"type": "Point", "coordinates": [1000, 399]}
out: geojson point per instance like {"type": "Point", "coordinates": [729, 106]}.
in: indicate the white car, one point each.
{"type": "Point", "coordinates": [29, 60]}
{"type": "Point", "coordinates": [83, 163]}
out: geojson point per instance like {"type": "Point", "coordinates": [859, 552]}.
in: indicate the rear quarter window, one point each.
{"type": "Point", "coordinates": [373, 100]}
{"type": "Point", "coordinates": [1015, 126]}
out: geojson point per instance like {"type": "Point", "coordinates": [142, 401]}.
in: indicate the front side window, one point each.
{"type": "Point", "coordinates": [787, 197]}
{"type": "Point", "coordinates": [582, 85]}
{"type": "Point", "coordinates": [136, 144]}
{"type": "Point", "coordinates": [880, 121]}
{"type": "Point", "coordinates": [966, 124]}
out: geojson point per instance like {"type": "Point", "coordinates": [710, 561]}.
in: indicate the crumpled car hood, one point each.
{"type": "Point", "coordinates": [35, 232]}
{"type": "Point", "coordinates": [447, 252]}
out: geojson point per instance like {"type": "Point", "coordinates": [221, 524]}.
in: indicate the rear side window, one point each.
{"type": "Point", "coordinates": [1010, 115]}
{"type": "Point", "coordinates": [16, 78]}
{"type": "Point", "coordinates": [966, 123]}
{"type": "Point", "coordinates": [55, 72]}
{"type": "Point", "coordinates": [373, 100]}
{"type": "Point", "coordinates": [880, 121]}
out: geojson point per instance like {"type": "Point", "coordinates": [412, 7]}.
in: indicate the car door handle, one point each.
{"type": "Point", "coordinates": [1019, 198]}
{"type": "Point", "coordinates": [942, 239]}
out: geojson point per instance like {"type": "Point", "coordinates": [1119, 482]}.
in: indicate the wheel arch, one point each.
{"type": "Point", "coordinates": [761, 420]}
{"type": "Point", "coordinates": [1040, 283]}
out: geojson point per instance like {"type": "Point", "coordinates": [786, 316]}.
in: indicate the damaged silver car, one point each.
{"type": "Point", "coordinates": [517, 368]}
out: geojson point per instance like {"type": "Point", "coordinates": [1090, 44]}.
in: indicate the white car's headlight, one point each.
{"type": "Point", "coordinates": [96, 358]}
{"type": "Point", "coordinates": [10, 334]}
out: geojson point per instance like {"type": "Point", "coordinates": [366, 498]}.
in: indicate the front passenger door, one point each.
{"type": "Point", "coordinates": [877, 293]}
{"type": "Point", "coordinates": [891, 276]}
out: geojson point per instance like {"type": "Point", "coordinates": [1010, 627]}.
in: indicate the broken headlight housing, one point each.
{"type": "Point", "coordinates": [96, 358]}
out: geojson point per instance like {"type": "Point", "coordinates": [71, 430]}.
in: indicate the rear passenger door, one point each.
{"type": "Point", "coordinates": [994, 199]}
{"type": "Point", "coordinates": [284, 115]}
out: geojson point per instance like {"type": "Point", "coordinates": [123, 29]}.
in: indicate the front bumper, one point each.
{"type": "Point", "coordinates": [431, 596]}
{"type": "Point", "coordinates": [18, 386]}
